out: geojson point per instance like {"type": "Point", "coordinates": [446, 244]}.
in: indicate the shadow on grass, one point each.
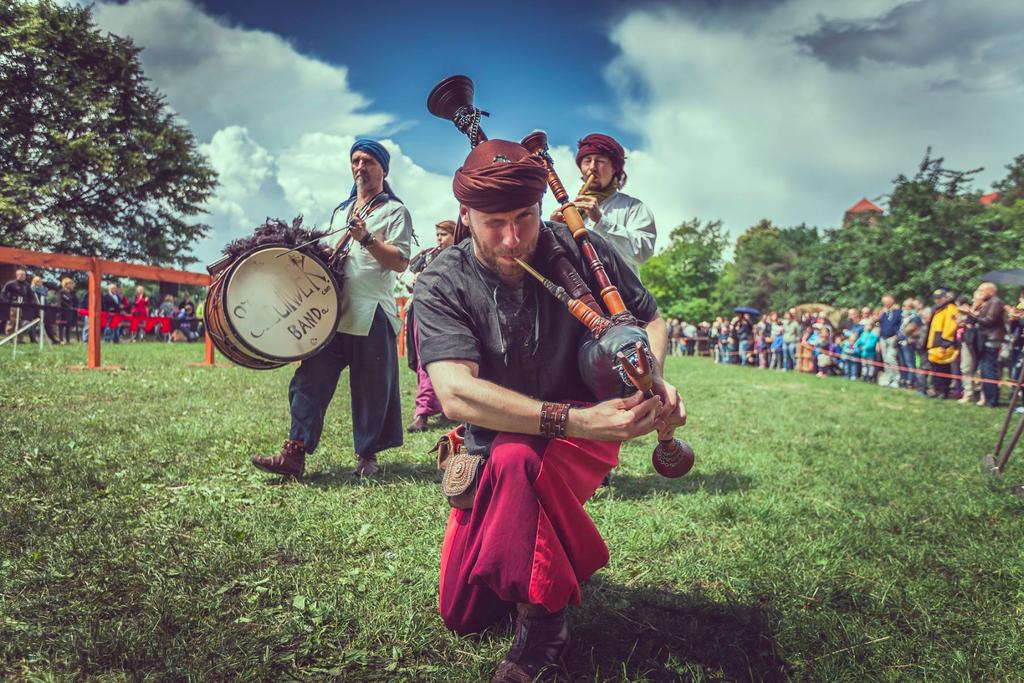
{"type": "Point", "coordinates": [391, 472]}
{"type": "Point", "coordinates": [657, 635]}
{"type": "Point", "coordinates": [627, 486]}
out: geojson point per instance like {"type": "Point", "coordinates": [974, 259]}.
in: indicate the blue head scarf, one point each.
{"type": "Point", "coordinates": [377, 151]}
{"type": "Point", "coordinates": [374, 149]}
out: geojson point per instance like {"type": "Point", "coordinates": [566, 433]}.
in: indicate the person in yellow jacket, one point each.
{"type": "Point", "coordinates": [941, 343]}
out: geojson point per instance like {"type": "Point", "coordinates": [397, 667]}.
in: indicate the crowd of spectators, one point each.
{"type": "Point", "coordinates": [23, 300]}
{"type": "Point", "coordinates": [955, 348]}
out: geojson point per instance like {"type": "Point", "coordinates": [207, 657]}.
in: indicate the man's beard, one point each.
{"type": "Point", "coordinates": [507, 270]}
{"type": "Point", "coordinates": [364, 183]}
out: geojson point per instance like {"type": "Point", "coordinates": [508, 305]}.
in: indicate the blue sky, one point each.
{"type": "Point", "coordinates": [790, 110]}
{"type": "Point", "coordinates": [529, 72]}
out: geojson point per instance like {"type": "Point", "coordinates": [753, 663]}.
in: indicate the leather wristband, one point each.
{"type": "Point", "coordinates": [553, 419]}
{"type": "Point", "coordinates": [367, 240]}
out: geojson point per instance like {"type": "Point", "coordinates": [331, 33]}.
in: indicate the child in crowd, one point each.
{"type": "Point", "coordinates": [823, 358]}
{"type": "Point", "coordinates": [725, 346]}
{"type": "Point", "coordinates": [851, 355]}
{"type": "Point", "coordinates": [766, 343]}
{"type": "Point", "coordinates": [778, 348]}
{"type": "Point", "coordinates": [759, 349]}
{"type": "Point", "coordinates": [869, 343]}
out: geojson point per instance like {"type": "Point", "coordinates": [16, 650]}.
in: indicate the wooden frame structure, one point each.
{"type": "Point", "coordinates": [97, 268]}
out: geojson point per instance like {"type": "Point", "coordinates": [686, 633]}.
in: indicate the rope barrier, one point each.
{"type": "Point", "coordinates": [918, 371]}
{"type": "Point", "coordinates": [125, 317]}
{"type": "Point", "coordinates": [863, 361]}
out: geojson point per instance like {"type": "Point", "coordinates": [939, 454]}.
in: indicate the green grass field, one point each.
{"type": "Point", "coordinates": [830, 531]}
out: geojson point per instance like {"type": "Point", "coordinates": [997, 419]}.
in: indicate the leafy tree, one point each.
{"type": "Point", "coordinates": [91, 159]}
{"type": "Point", "coordinates": [724, 298]}
{"type": "Point", "coordinates": [936, 233]}
{"type": "Point", "coordinates": [766, 265]}
{"type": "Point", "coordinates": [1012, 186]}
{"type": "Point", "coordinates": [682, 277]}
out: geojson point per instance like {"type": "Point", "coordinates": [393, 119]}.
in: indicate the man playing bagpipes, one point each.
{"type": "Point", "coordinates": [502, 356]}
{"type": "Point", "coordinates": [381, 230]}
{"type": "Point", "coordinates": [623, 221]}
{"type": "Point", "coordinates": [426, 404]}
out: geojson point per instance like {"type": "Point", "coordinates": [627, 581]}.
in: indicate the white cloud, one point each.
{"type": "Point", "coordinates": [242, 167]}
{"type": "Point", "coordinates": [315, 175]}
{"type": "Point", "coordinates": [275, 124]}
{"type": "Point", "coordinates": [736, 118]}
{"type": "Point", "coordinates": [218, 75]}
{"type": "Point", "coordinates": [739, 123]}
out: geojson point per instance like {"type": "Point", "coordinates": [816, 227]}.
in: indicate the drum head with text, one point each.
{"type": "Point", "coordinates": [283, 306]}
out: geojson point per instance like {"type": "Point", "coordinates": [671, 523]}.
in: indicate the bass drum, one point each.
{"type": "Point", "coordinates": [271, 307]}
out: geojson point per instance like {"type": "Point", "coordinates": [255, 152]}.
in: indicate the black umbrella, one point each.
{"type": "Point", "coordinates": [1013, 276]}
{"type": "Point", "coordinates": [749, 310]}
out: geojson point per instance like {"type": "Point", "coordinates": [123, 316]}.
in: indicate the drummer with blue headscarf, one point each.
{"type": "Point", "coordinates": [381, 231]}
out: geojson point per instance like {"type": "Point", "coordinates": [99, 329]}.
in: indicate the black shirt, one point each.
{"type": "Point", "coordinates": [522, 338]}
{"type": "Point", "coordinates": [17, 289]}
{"type": "Point", "coordinates": [111, 303]}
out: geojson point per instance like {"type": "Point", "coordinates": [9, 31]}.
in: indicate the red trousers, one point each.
{"type": "Point", "coordinates": [527, 537]}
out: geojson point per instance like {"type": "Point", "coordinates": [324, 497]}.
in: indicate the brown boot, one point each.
{"type": "Point", "coordinates": [541, 639]}
{"type": "Point", "coordinates": [418, 424]}
{"type": "Point", "coordinates": [367, 466]}
{"type": "Point", "coordinates": [290, 462]}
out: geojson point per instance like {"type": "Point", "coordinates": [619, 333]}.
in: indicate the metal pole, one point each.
{"type": "Point", "coordinates": [17, 332]}
{"type": "Point", "coordinates": [42, 320]}
{"type": "Point", "coordinates": [1010, 446]}
{"type": "Point", "coordinates": [1009, 412]}
{"type": "Point", "coordinates": [17, 326]}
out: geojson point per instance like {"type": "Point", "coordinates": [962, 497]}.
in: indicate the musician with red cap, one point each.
{"type": "Point", "coordinates": [501, 353]}
{"type": "Point", "coordinates": [623, 221]}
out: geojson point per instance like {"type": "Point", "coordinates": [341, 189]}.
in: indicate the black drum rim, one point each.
{"type": "Point", "coordinates": [225, 345]}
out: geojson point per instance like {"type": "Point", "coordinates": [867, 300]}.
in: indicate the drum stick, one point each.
{"type": "Point", "coordinates": [361, 215]}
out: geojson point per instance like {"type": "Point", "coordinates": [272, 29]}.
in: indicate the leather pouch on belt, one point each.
{"type": "Point", "coordinates": [461, 470]}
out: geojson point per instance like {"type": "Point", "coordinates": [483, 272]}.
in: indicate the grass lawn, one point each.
{"type": "Point", "coordinates": [830, 531]}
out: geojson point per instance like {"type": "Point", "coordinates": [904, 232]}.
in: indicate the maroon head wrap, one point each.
{"type": "Point", "coordinates": [499, 176]}
{"type": "Point", "coordinates": [596, 143]}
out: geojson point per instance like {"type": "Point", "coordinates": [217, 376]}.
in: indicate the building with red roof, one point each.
{"type": "Point", "coordinates": [990, 198]}
{"type": "Point", "coordinates": [865, 210]}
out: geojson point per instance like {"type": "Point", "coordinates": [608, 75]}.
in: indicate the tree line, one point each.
{"type": "Point", "coordinates": [935, 232]}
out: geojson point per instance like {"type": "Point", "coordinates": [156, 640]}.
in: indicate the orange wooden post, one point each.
{"type": "Point", "coordinates": [401, 332]}
{"type": "Point", "coordinates": [209, 350]}
{"type": "Point", "coordinates": [95, 332]}
{"type": "Point", "coordinates": [96, 267]}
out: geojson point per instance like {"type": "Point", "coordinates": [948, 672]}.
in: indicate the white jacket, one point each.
{"type": "Point", "coordinates": [628, 227]}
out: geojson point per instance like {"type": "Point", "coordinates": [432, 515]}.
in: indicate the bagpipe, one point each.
{"type": "Point", "coordinates": [615, 359]}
